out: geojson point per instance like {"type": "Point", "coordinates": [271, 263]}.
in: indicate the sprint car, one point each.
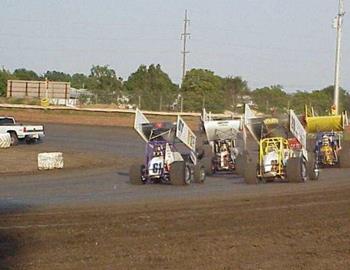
{"type": "Point", "coordinates": [219, 148]}
{"type": "Point", "coordinates": [163, 162]}
{"type": "Point", "coordinates": [281, 152]}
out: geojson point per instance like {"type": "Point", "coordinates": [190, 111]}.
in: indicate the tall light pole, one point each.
{"type": "Point", "coordinates": [184, 36]}
{"type": "Point", "coordinates": [184, 52]}
{"type": "Point", "coordinates": [338, 23]}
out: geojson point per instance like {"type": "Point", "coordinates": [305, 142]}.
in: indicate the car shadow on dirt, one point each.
{"type": "Point", "coordinates": [10, 235]}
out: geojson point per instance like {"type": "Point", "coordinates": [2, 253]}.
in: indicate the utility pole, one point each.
{"type": "Point", "coordinates": [184, 52]}
{"type": "Point", "coordinates": [338, 24]}
{"type": "Point", "coordinates": [184, 37]}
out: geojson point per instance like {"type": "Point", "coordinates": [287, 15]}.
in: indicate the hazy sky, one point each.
{"type": "Point", "coordinates": [287, 42]}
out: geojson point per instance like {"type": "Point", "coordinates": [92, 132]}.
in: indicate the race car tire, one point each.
{"type": "Point", "coordinates": [208, 165]}
{"type": "Point", "coordinates": [313, 175]}
{"type": "Point", "coordinates": [135, 174]}
{"type": "Point", "coordinates": [239, 164]}
{"type": "Point", "coordinates": [344, 156]}
{"type": "Point", "coordinates": [180, 174]}
{"type": "Point", "coordinates": [14, 138]}
{"type": "Point", "coordinates": [296, 170]}
{"type": "Point", "coordinates": [199, 174]}
{"type": "Point", "coordinates": [204, 150]}
{"type": "Point", "coordinates": [250, 171]}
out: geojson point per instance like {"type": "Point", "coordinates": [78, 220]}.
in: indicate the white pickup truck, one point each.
{"type": "Point", "coordinates": [18, 132]}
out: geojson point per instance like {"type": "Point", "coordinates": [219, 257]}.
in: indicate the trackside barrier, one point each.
{"type": "Point", "coordinates": [37, 107]}
{"type": "Point", "coordinates": [49, 161]}
{"type": "Point", "coordinates": [5, 140]}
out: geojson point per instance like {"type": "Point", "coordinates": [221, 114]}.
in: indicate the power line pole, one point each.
{"type": "Point", "coordinates": [338, 24]}
{"type": "Point", "coordinates": [184, 52]}
{"type": "Point", "coordinates": [184, 37]}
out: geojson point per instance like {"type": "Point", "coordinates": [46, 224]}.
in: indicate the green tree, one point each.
{"type": "Point", "coordinates": [298, 101]}
{"type": "Point", "coordinates": [271, 99]}
{"type": "Point", "coordinates": [234, 90]}
{"type": "Point", "coordinates": [57, 76]}
{"type": "Point", "coordinates": [24, 74]}
{"type": "Point", "coordinates": [4, 76]}
{"type": "Point", "coordinates": [79, 80]}
{"type": "Point", "coordinates": [104, 83]}
{"type": "Point", "coordinates": [322, 100]}
{"type": "Point", "coordinates": [154, 87]}
{"type": "Point", "coordinates": [202, 88]}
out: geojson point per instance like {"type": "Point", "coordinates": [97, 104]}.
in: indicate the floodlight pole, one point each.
{"type": "Point", "coordinates": [338, 23]}
{"type": "Point", "coordinates": [184, 52]}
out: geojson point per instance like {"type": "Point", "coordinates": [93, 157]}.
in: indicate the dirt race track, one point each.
{"type": "Point", "coordinates": [90, 217]}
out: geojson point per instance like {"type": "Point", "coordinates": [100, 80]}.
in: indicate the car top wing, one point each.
{"type": "Point", "coordinates": [185, 134]}
{"type": "Point", "coordinates": [222, 129]}
{"type": "Point", "coordinates": [140, 119]}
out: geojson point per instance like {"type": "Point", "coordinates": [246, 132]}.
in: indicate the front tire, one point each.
{"type": "Point", "coordinates": [135, 174]}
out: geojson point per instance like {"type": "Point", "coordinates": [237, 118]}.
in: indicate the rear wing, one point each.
{"type": "Point", "coordinates": [185, 134]}
{"type": "Point", "coordinates": [140, 119]}
{"type": "Point", "coordinates": [222, 129]}
{"type": "Point", "coordinates": [327, 123]}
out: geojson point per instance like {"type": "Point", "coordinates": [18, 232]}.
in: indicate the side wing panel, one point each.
{"type": "Point", "coordinates": [249, 120]}
{"type": "Point", "coordinates": [140, 119]}
{"type": "Point", "coordinates": [185, 134]}
{"type": "Point", "coordinates": [297, 129]}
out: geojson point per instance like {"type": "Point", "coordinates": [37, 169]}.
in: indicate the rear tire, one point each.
{"type": "Point", "coordinates": [199, 173]}
{"type": "Point", "coordinates": [208, 151]}
{"type": "Point", "coordinates": [344, 156]}
{"type": "Point", "coordinates": [208, 165]}
{"type": "Point", "coordinates": [180, 174]}
{"type": "Point", "coordinates": [311, 167]}
{"type": "Point", "coordinates": [239, 164]}
{"type": "Point", "coordinates": [14, 138]}
{"type": "Point", "coordinates": [250, 170]}
{"type": "Point", "coordinates": [135, 174]}
{"type": "Point", "coordinates": [296, 170]}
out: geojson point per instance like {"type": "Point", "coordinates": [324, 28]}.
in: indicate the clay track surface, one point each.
{"type": "Point", "coordinates": [94, 219]}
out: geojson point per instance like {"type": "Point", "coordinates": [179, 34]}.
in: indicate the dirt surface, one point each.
{"type": "Point", "coordinates": [301, 231]}
{"type": "Point", "coordinates": [91, 217]}
{"type": "Point", "coordinates": [22, 160]}
{"type": "Point", "coordinates": [86, 118]}
{"type": "Point", "coordinates": [83, 147]}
